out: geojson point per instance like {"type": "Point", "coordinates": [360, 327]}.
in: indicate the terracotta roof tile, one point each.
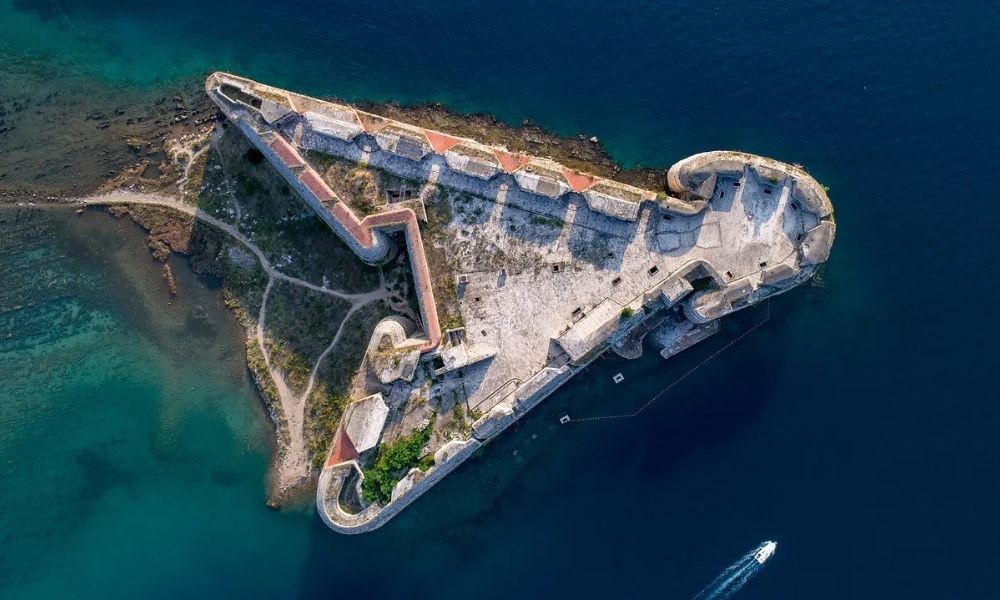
{"type": "Point", "coordinates": [316, 185]}
{"type": "Point", "coordinates": [343, 449]}
{"type": "Point", "coordinates": [441, 142]}
{"type": "Point", "coordinates": [578, 181]}
{"type": "Point", "coordinates": [286, 152]}
{"type": "Point", "coordinates": [511, 162]}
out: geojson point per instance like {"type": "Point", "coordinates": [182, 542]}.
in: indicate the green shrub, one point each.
{"type": "Point", "coordinates": [392, 463]}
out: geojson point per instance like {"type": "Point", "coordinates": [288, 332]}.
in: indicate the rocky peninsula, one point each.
{"type": "Point", "coordinates": [507, 274]}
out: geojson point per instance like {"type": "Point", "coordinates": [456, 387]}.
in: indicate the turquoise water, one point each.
{"type": "Point", "coordinates": [856, 428]}
{"type": "Point", "coordinates": [130, 438]}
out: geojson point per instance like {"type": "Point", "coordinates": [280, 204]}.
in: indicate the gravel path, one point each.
{"type": "Point", "coordinates": [293, 462]}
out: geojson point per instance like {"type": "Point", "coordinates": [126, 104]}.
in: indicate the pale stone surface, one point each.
{"type": "Point", "coordinates": [817, 243]}
{"type": "Point", "coordinates": [391, 354]}
{"type": "Point", "coordinates": [364, 420]}
{"type": "Point", "coordinates": [584, 335]}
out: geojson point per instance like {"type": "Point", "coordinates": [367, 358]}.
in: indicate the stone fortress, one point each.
{"type": "Point", "coordinates": [556, 266]}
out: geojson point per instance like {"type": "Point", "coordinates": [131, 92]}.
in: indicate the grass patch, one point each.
{"type": "Point", "coordinates": [441, 266]}
{"type": "Point", "coordinates": [300, 325]}
{"type": "Point", "coordinates": [546, 221]}
{"type": "Point", "coordinates": [323, 416]}
{"type": "Point", "coordinates": [329, 397]}
{"type": "Point", "coordinates": [287, 230]}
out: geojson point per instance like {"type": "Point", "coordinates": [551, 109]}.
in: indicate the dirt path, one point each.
{"type": "Point", "coordinates": [190, 158]}
{"type": "Point", "coordinates": [292, 464]}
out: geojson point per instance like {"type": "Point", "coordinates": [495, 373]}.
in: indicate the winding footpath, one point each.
{"type": "Point", "coordinates": [292, 465]}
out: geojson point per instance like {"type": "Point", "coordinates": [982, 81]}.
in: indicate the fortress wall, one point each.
{"type": "Point", "coordinates": [484, 188]}
{"type": "Point", "coordinates": [447, 177]}
{"type": "Point", "coordinates": [373, 516]}
{"type": "Point", "coordinates": [688, 174]}
{"type": "Point", "coordinates": [399, 165]}
{"type": "Point", "coordinates": [496, 420]}
{"type": "Point", "coordinates": [342, 220]}
{"type": "Point", "coordinates": [311, 138]}
{"type": "Point", "coordinates": [693, 175]}
{"type": "Point", "coordinates": [539, 387]}
{"type": "Point", "coordinates": [381, 246]}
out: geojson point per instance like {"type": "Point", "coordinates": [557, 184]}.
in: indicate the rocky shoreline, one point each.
{"type": "Point", "coordinates": [69, 135]}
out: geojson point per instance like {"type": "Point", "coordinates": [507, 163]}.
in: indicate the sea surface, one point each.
{"type": "Point", "coordinates": [857, 427]}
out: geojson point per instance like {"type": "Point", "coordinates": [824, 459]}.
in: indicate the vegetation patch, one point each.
{"type": "Point", "coordinates": [300, 324]}
{"type": "Point", "coordinates": [441, 265]}
{"type": "Point", "coordinates": [285, 228]}
{"type": "Point", "coordinates": [392, 462]}
{"type": "Point", "coordinates": [322, 416]}
{"type": "Point", "coordinates": [212, 253]}
{"type": "Point", "coordinates": [166, 229]}
{"type": "Point", "coordinates": [333, 385]}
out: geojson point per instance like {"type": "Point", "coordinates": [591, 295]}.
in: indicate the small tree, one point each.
{"type": "Point", "coordinates": [627, 312]}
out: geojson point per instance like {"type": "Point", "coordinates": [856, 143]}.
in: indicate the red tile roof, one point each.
{"type": "Point", "coordinates": [343, 449]}
{"type": "Point", "coordinates": [511, 162]}
{"type": "Point", "coordinates": [440, 142]}
{"type": "Point", "coordinates": [286, 152]}
{"type": "Point", "coordinates": [578, 181]}
{"type": "Point", "coordinates": [316, 185]}
{"type": "Point", "coordinates": [350, 221]}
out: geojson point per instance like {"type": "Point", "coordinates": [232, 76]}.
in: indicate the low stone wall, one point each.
{"type": "Point", "coordinates": [374, 516]}
{"type": "Point", "coordinates": [539, 386]}
{"type": "Point", "coordinates": [689, 175]}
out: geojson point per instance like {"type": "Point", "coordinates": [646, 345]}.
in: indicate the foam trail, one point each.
{"type": "Point", "coordinates": [732, 579]}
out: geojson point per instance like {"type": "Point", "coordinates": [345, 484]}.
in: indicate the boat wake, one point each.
{"type": "Point", "coordinates": [737, 574]}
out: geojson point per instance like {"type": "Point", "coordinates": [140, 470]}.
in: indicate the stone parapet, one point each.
{"type": "Point", "coordinates": [332, 127]}
{"type": "Point", "coordinates": [696, 176]}
{"type": "Point", "coordinates": [493, 422]}
{"type": "Point", "coordinates": [411, 487]}
{"type": "Point", "coordinates": [539, 386]}
{"type": "Point", "coordinates": [817, 243]}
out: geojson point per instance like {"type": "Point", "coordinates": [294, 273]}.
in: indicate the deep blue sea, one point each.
{"type": "Point", "coordinates": [856, 427]}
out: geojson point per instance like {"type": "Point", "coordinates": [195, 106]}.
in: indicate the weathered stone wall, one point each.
{"type": "Point", "coordinates": [381, 247]}
{"type": "Point", "coordinates": [447, 459]}
{"type": "Point", "coordinates": [688, 175]}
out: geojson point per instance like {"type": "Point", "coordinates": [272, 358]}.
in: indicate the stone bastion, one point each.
{"type": "Point", "coordinates": [730, 230]}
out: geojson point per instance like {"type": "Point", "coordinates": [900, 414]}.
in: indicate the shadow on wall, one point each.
{"type": "Point", "coordinates": [671, 235]}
